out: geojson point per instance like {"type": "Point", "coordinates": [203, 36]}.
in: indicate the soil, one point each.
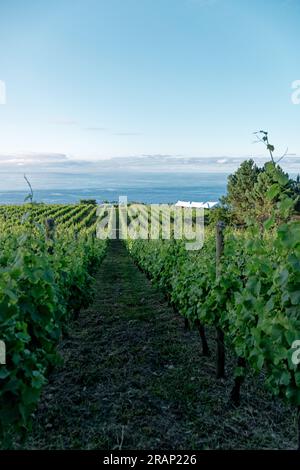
{"type": "Point", "coordinates": [134, 378]}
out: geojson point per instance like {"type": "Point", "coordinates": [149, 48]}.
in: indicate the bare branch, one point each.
{"type": "Point", "coordinates": [30, 196]}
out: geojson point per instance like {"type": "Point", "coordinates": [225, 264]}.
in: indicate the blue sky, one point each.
{"type": "Point", "coordinates": [113, 78]}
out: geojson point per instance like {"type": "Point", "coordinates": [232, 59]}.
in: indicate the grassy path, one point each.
{"type": "Point", "coordinates": [134, 379]}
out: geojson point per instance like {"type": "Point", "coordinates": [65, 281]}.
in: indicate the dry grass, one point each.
{"type": "Point", "coordinates": [134, 379]}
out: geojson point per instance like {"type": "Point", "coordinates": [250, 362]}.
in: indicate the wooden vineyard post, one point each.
{"type": "Point", "coordinates": [50, 230]}
{"type": "Point", "coordinates": [238, 381]}
{"type": "Point", "coordinates": [186, 324]}
{"type": "Point", "coordinates": [220, 335]}
{"type": "Point", "coordinates": [201, 329]}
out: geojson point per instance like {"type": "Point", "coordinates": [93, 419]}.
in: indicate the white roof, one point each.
{"type": "Point", "coordinates": [211, 204]}
{"type": "Point", "coordinates": [183, 204]}
{"type": "Point", "coordinates": [199, 205]}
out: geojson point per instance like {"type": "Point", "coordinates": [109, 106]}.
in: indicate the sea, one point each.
{"type": "Point", "coordinates": [146, 187]}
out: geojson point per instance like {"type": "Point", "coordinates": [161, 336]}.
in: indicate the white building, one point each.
{"type": "Point", "coordinates": [198, 205]}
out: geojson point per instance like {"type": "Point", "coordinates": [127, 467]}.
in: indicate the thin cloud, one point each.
{"type": "Point", "coordinates": [61, 163]}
